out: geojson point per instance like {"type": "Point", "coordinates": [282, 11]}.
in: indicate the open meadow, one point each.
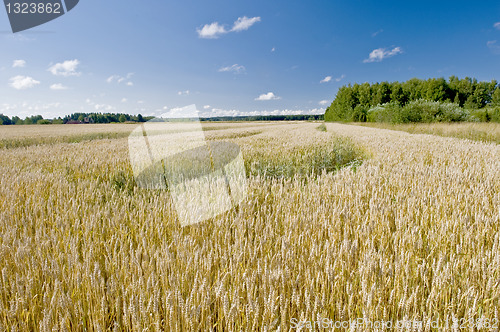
{"type": "Point", "coordinates": [341, 222]}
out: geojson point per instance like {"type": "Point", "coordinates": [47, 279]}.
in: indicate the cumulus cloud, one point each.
{"type": "Point", "coordinates": [380, 54]}
{"type": "Point", "coordinates": [66, 68]}
{"type": "Point", "coordinates": [23, 109]}
{"type": "Point", "coordinates": [268, 96]}
{"type": "Point", "coordinates": [324, 102]}
{"type": "Point", "coordinates": [215, 30]}
{"type": "Point", "coordinates": [206, 107]}
{"type": "Point", "coordinates": [244, 23]}
{"type": "Point", "coordinates": [497, 25]}
{"type": "Point", "coordinates": [23, 82]}
{"type": "Point", "coordinates": [183, 93]}
{"type": "Point", "coordinates": [189, 111]}
{"type": "Point", "coordinates": [211, 31]}
{"type": "Point", "coordinates": [18, 64]}
{"type": "Point", "coordinates": [237, 69]}
{"type": "Point", "coordinates": [124, 100]}
{"type": "Point", "coordinates": [58, 86]}
{"type": "Point", "coordinates": [326, 79]}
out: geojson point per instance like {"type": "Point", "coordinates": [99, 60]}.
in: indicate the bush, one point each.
{"type": "Point", "coordinates": [387, 112]}
{"type": "Point", "coordinates": [494, 113]}
{"type": "Point", "coordinates": [431, 111]}
{"type": "Point", "coordinates": [43, 122]}
{"type": "Point", "coordinates": [359, 114]}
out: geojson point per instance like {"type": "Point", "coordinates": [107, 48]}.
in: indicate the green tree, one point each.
{"type": "Point", "coordinates": [383, 94]}
{"type": "Point", "coordinates": [122, 118]}
{"type": "Point", "coordinates": [398, 95]}
{"type": "Point", "coordinates": [437, 90]}
{"type": "Point", "coordinates": [495, 98]}
{"type": "Point", "coordinates": [5, 120]}
{"type": "Point", "coordinates": [364, 94]}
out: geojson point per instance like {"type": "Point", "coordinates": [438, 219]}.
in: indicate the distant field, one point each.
{"type": "Point", "coordinates": [341, 222]}
{"type": "Point", "coordinates": [28, 135]}
{"type": "Point", "coordinates": [476, 131]}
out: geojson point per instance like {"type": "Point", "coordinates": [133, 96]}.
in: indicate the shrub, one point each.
{"type": "Point", "coordinates": [431, 111]}
{"type": "Point", "coordinates": [384, 113]}
{"type": "Point", "coordinates": [494, 114]}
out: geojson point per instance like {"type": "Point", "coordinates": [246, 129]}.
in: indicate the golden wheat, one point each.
{"type": "Point", "coordinates": [476, 131]}
{"type": "Point", "coordinates": [412, 233]}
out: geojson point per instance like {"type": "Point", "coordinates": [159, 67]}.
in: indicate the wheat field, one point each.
{"type": "Point", "coordinates": [476, 131]}
{"type": "Point", "coordinates": [341, 222]}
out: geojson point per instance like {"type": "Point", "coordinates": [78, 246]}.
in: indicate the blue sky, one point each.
{"type": "Point", "coordinates": [237, 57]}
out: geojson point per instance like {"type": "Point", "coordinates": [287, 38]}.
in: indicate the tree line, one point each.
{"type": "Point", "coordinates": [75, 118]}
{"type": "Point", "coordinates": [298, 117]}
{"type": "Point", "coordinates": [120, 117]}
{"type": "Point", "coordinates": [417, 100]}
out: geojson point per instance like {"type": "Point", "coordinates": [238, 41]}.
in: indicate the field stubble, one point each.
{"type": "Point", "coordinates": [412, 233]}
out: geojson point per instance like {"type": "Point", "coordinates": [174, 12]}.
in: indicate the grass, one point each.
{"type": "Point", "coordinates": [483, 131]}
{"type": "Point", "coordinates": [411, 233]}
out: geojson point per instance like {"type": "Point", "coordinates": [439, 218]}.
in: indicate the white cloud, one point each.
{"type": "Point", "coordinates": [244, 23]}
{"type": "Point", "coordinates": [222, 112]}
{"type": "Point", "coordinates": [183, 93]}
{"type": "Point", "coordinates": [66, 68]}
{"type": "Point", "coordinates": [18, 64]}
{"type": "Point", "coordinates": [120, 79]}
{"type": "Point", "coordinates": [268, 96]}
{"type": "Point", "coordinates": [493, 46]}
{"type": "Point", "coordinates": [58, 86]}
{"type": "Point", "coordinates": [112, 78]}
{"type": "Point", "coordinates": [23, 109]}
{"type": "Point", "coordinates": [206, 107]}
{"type": "Point", "coordinates": [211, 31]}
{"type": "Point", "coordinates": [124, 100]}
{"type": "Point", "coordinates": [497, 25]}
{"type": "Point", "coordinates": [23, 82]}
{"type": "Point", "coordinates": [324, 102]}
{"type": "Point", "coordinates": [237, 69]}
{"type": "Point", "coordinates": [104, 107]}
{"type": "Point", "coordinates": [377, 32]}
{"type": "Point", "coordinates": [329, 78]}
{"type": "Point", "coordinates": [326, 79]}
{"type": "Point", "coordinates": [338, 79]}
{"type": "Point", "coordinates": [273, 49]}
{"type": "Point", "coordinates": [214, 30]}
{"type": "Point", "coordinates": [189, 111]}
{"type": "Point", "coordinates": [380, 54]}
